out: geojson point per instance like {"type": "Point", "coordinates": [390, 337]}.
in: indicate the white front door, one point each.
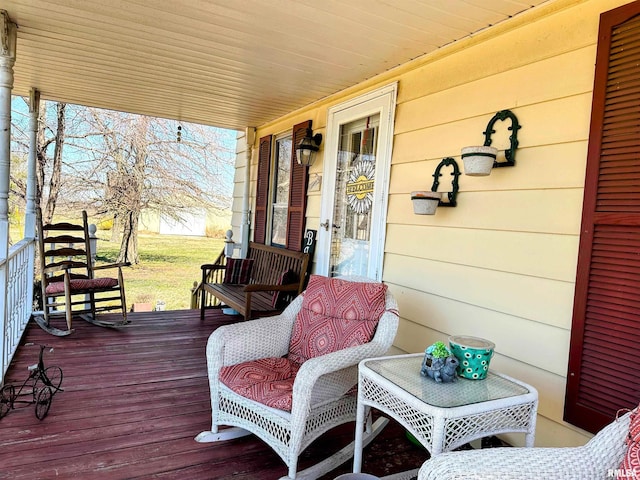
{"type": "Point", "coordinates": [357, 164]}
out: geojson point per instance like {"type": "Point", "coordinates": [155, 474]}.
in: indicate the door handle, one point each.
{"type": "Point", "coordinates": [326, 224]}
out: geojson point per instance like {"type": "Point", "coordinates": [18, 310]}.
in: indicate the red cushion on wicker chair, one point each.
{"type": "Point", "coordinates": [335, 314]}
{"type": "Point", "coordinates": [268, 381]}
{"type": "Point", "coordinates": [82, 285]}
{"type": "Point", "coordinates": [634, 425]}
{"type": "Point", "coordinates": [631, 460]}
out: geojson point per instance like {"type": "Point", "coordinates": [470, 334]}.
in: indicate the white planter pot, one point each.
{"type": "Point", "coordinates": [478, 161]}
{"type": "Point", "coordinates": [425, 202]}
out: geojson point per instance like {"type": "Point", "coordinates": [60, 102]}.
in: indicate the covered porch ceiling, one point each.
{"type": "Point", "coordinates": [228, 63]}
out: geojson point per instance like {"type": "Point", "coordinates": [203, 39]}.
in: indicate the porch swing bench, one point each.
{"type": "Point", "coordinates": [264, 282]}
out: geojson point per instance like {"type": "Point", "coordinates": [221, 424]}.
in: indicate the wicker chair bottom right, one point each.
{"type": "Point", "coordinates": [611, 451]}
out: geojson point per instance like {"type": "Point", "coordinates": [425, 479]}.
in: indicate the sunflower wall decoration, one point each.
{"type": "Point", "coordinates": [360, 187]}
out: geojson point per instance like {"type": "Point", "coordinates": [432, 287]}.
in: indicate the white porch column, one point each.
{"type": "Point", "coordinates": [30, 213]}
{"type": "Point", "coordinates": [7, 60]}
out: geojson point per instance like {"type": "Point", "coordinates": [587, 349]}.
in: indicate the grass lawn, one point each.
{"type": "Point", "coordinates": [169, 264]}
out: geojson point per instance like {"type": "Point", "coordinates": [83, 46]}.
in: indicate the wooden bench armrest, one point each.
{"type": "Point", "coordinates": [289, 287]}
{"type": "Point", "coordinates": [211, 266]}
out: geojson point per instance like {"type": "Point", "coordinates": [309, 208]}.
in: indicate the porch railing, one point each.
{"type": "Point", "coordinates": [16, 273]}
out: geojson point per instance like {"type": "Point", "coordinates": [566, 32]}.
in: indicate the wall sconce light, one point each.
{"type": "Point", "coordinates": [307, 148]}
{"type": "Point", "coordinates": [426, 202]}
{"type": "Point", "coordinates": [479, 160]}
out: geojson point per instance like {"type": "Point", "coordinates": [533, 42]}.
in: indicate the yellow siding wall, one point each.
{"type": "Point", "coordinates": [502, 264]}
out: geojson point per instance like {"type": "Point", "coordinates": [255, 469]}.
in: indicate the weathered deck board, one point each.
{"type": "Point", "coordinates": [133, 401]}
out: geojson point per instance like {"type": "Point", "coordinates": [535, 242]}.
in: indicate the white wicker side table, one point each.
{"type": "Point", "coordinates": [443, 416]}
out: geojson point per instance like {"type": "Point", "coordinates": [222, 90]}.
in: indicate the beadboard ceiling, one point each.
{"type": "Point", "coordinates": [228, 63]}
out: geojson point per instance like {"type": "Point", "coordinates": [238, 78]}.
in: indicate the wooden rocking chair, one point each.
{"type": "Point", "coordinates": [66, 271]}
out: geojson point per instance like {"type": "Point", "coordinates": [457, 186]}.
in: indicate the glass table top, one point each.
{"type": "Point", "coordinates": [404, 371]}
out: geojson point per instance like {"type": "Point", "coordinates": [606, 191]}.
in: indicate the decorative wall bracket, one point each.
{"type": "Point", "coordinates": [451, 196]}
{"type": "Point", "coordinates": [510, 154]}
{"type": "Point", "coordinates": [479, 160]}
{"type": "Point", "coordinates": [426, 202]}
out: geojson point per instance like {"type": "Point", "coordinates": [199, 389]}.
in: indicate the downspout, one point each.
{"type": "Point", "coordinates": [250, 138]}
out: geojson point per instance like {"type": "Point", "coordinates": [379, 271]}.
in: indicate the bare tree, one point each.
{"type": "Point", "coordinates": [51, 137]}
{"type": "Point", "coordinates": [56, 163]}
{"type": "Point", "coordinates": [125, 186]}
{"type": "Point", "coordinates": [133, 163]}
{"type": "Point", "coordinates": [116, 165]}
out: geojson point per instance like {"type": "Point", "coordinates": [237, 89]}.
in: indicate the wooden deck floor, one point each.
{"type": "Point", "coordinates": [134, 399]}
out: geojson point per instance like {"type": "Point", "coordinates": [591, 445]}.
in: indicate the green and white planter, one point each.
{"type": "Point", "coordinates": [474, 354]}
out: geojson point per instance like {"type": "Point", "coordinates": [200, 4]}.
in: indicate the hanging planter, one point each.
{"type": "Point", "coordinates": [479, 160]}
{"type": "Point", "coordinates": [425, 202]}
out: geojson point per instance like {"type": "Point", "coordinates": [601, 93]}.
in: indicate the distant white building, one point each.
{"type": "Point", "coordinates": [194, 222]}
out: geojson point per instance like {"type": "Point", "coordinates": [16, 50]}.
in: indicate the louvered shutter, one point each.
{"type": "Point", "coordinates": [262, 190]}
{"type": "Point", "coordinates": [297, 193]}
{"type": "Point", "coordinates": [604, 358]}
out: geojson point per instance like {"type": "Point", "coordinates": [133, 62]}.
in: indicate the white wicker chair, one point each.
{"type": "Point", "coordinates": [320, 398]}
{"type": "Point", "coordinates": [592, 461]}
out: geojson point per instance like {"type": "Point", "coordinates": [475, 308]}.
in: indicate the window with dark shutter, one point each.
{"type": "Point", "coordinates": [297, 193]}
{"type": "Point", "coordinates": [280, 182]}
{"type": "Point", "coordinates": [262, 190]}
{"type": "Point", "coordinates": [604, 355]}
